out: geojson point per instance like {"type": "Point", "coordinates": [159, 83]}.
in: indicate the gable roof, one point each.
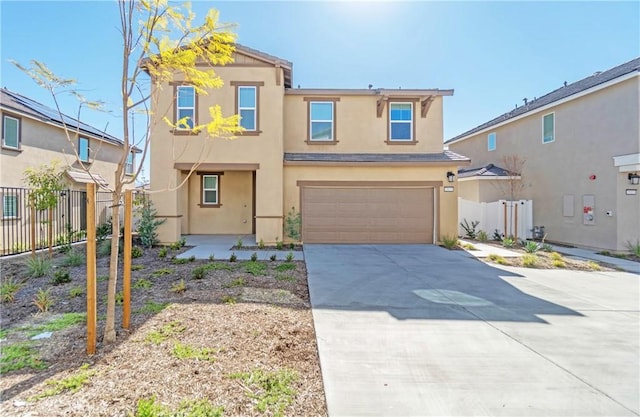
{"type": "Point", "coordinates": [489, 171]}
{"type": "Point", "coordinates": [23, 105]}
{"type": "Point", "coordinates": [286, 65]}
{"type": "Point", "coordinates": [559, 94]}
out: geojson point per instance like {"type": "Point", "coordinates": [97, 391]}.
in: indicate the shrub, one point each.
{"type": "Point", "coordinates": [531, 247]}
{"type": "Point", "coordinates": [104, 248]}
{"type": "Point", "coordinates": [199, 272]}
{"type": "Point", "coordinates": [482, 236]}
{"type": "Point", "coordinates": [162, 253]}
{"type": "Point", "coordinates": [229, 299]}
{"type": "Point", "coordinates": [179, 287]}
{"type": "Point", "coordinates": [293, 223]}
{"type": "Point", "coordinates": [497, 259]}
{"type": "Point", "coordinates": [148, 225]}
{"type": "Point", "coordinates": [38, 266]}
{"type": "Point", "coordinates": [142, 283]}
{"type": "Point", "coordinates": [529, 260]}
{"type": "Point", "coordinates": [8, 290]}
{"type": "Point", "coordinates": [470, 229]}
{"type": "Point", "coordinates": [634, 247]}
{"type": "Point", "coordinates": [508, 242]}
{"type": "Point", "coordinates": [137, 267]}
{"type": "Point", "coordinates": [239, 243]}
{"type": "Point", "coordinates": [255, 268]}
{"type": "Point", "coordinates": [254, 257]}
{"type": "Point", "coordinates": [43, 300]}
{"type": "Point", "coordinates": [546, 247]}
{"type": "Point", "coordinates": [279, 244]}
{"type": "Point", "coordinates": [76, 292]}
{"type": "Point", "coordinates": [469, 246]}
{"type": "Point", "coordinates": [212, 258]}
{"type": "Point", "coordinates": [289, 257]}
{"type": "Point", "coordinates": [285, 267]}
{"type": "Point", "coordinates": [73, 258]}
{"type": "Point", "coordinates": [238, 282]}
{"type": "Point", "coordinates": [449, 242]}
{"type": "Point", "coordinates": [594, 266]}
{"type": "Point", "coordinates": [61, 276]}
{"type": "Point", "coordinates": [273, 257]}
{"type": "Point", "coordinates": [103, 230]}
{"type": "Point", "coordinates": [497, 236]}
{"type": "Point", "coordinates": [136, 252]}
{"type": "Point", "coordinates": [556, 256]}
{"type": "Point", "coordinates": [261, 244]}
{"type": "Point", "coordinates": [233, 257]}
{"type": "Point", "coordinates": [558, 263]}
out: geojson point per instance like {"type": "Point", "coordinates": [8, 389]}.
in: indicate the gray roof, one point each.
{"type": "Point", "coordinates": [24, 105]}
{"type": "Point", "coordinates": [486, 171]}
{"type": "Point", "coordinates": [562, 92]}
{"type": "Point", "coordinates": [446, 156]}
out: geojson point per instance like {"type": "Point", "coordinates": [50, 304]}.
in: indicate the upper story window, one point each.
{"type": "Point", "coordinates": [401, 122]}
{"type": "Point", "coordinates": [10, 132]}
{"type": "Point", "coordinates": [83, 149]}
{"type": "Point", "coordinates": [9, 206]}
{"type": "Point", "coordinates": [131, 159]}
{"type": "Point", "coordinates": [548, 128]}
{"type": "Point", "coordinates": [210, 194]}
{"type": "Point", "coordinates": [321, 121]}
{"type": "Point", "coordinates": [185, 107]}
{"type": "Point", "coordinates": [248, 107]}
{"type": "Point", "coordinates": [491, 141]}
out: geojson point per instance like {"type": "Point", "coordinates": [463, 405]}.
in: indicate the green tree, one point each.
{"type": "Point", "coordinates": [159, 42]}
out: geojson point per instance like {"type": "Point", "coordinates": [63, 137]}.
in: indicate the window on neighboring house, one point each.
{"type": "Point", "coordinates": [9, 206]}
{"type": "Point", "coordinates": [130, 163]}
{"type": "Point", "coordinates": [210, 187]}
{"type": "Point", "coordinates": [185, 107]}
{"type": "Point", "coordinates": [548, 128]}
{"type": "Point", "coordinates": [248, 107]}
{"type": "Point", "coordinates": [10, 132]}
{"type": "Point", "coordinates": [321, 121]}
{"type": "Point", "coordinates": [491, 141]}
{"type": "Point", "coordinates": [401, 121]}
{"type": "Point", "coordinates": [83, 149]}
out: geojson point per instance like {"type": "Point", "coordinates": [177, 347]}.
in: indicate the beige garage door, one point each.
{"type": "Point", "coordinates": [367, 215]}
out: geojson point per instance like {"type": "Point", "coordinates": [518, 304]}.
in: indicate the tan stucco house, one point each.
{"type": "Point", "coordinates": [581, 144]}
{"type": "Point", "coordinates": [359, 165]}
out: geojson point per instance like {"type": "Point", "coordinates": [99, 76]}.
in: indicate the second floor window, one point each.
{"type": "Point", "coordinates": [401, 121]}
{"type": "Point", "coordinates": [548, 128]}
{"type": "Point", "coordinates": [321, 120]}
{"type": "Point", "coordinates": [247, 107]}
{"type": "Point", "coordinates": [10, 132]}
{"type": "Point", "coordinates": [186, 107]}
{"type": "Point", "coordinates": [83, 149]}
{"type": "Point", "coordinates": [491, 141]}
{"type": "Point", "coordinates": [130, 163]}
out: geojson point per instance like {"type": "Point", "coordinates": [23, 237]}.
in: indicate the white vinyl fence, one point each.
{"type": "Point", "coordinates": [492, 216]}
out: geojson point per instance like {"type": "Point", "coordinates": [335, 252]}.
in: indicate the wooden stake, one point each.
{"type": "Point", "coordinates": [506, 232]}
{"type": "Point", "coordinates": [50, 232]}
{"type": "Point", "coordinates": [33, 230]}
{"type": "Point", "coordinates": [126, 279]}
{"type": "Point", "coordinates": [515, 226]}
{"type": "Point", "coordinates": [92, 305]}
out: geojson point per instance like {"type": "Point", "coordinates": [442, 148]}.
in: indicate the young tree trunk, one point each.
{"type": "Point", "coordinates": [110, 326]}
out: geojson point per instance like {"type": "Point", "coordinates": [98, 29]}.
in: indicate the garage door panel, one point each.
{"type": "Point", "coordinates": [367, 215]}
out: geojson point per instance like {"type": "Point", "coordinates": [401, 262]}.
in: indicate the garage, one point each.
{"type": "Point", "coordinates": [367, 214]}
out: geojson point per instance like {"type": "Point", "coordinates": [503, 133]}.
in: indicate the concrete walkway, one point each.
{"type": "Point", "coordinates": [220, 247]}
{"type": "Point", "coordinates": [590, 254]}
{"type": "Point", "coordinates": [417, 330]}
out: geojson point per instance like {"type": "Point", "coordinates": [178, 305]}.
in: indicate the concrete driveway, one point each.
{"type": "Point", "coordinates": [417, 330]}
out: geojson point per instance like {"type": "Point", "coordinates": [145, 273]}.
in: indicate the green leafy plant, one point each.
{"type": "Point", "coordinates": [103, 230]}
{"type": "Point", "coordinates": [229, 299]}
{"type": "Point", "coordinates": [469, 246]}
{"type": "Point", "coordinates": [279, 244]}
{"type": "Point", "coordinates": [233, 257]}
{"type": "Point", "coordinates": [8, 290]}
{"type": "Point", "coordinates": [238, 282]}
{"type": "Point", "coordinates": [102, 278]}
{"type": "Point", "coordinates": [180, 261]}
{"type": "Point", "coordinates": [289, 257]}
{"type": "Point", "coordinates": [508, 242]}
{"type": "Point", "coordinates": [285, 267]}
{"type": "Point", "coordinates": [546, 247]}
{"type": "Point", "coordinates": [531, 247]}
{"type": "Point", "coordinates": [73, 258]}
{"type": "Point", "coordinates": [556, 256]}
{"type": "Point", "coordinates": [76, 292]}
{"type": "Point", "coordinates": [142, 283]}
{"type": "Point", "coordinates": [529, 260]}
{"type": "Point", "coordinates": [137, 267]}
{"type": "Point", "coordinates": [558, 263]}
{"type": "Point", "coordinates": [254, 257]}
{"type": "Point", "coordinates": [148, 224]}
{"type": "Point", "coordinates": [103, 248]}
{"type": "Point", "coordinates": [449, 242]}
{"type": "Point", "coordinates": [162, 253]}
{"type": "Point", "coordinates": [634, 247]}
{"type": "Point", "coordinates": [61, 322]}
{"type": "Point", "coordinates": [165, 332]}
{"type": "Point", "coordinates": [19, 356]}
{"type": "Point", "coordinates": [43, 300]}
{"type": "Point", "coordinates": [470, 229]}
{"type": "Point", "coordinates": [261, 244]}
{"type": "Point", "coordinates": [497, 259]}
{"type": "Point", "coordinates": [179, 287]}
{"type": "Point", "coordinates": [38, 266]}
{"type": "Point", "coordinates": [255, 268]}
{"type": "Point", "coordinates": [147, 407]}
{"type": "Point", "coordinates": [212, 258]}
{"type": "Point", "coordinates": [199, 272]}
{"type": "Point", "coordinates": [482, 236]}
{"type": "Point", "coordinates": [239, 243]}
{"type": "Point", "coordinates": [285, 277]}
{"type": "Point", "coordinates": [119, 298]}
{"type": "Point", "coordinates": [136, 252]}
{"type": "Point", "coordinates": [71, 383]}
{"type": "Point", "coordinates": [273, 257]}
{"type": "Point", "coordinates": [271, 391]}
{"type": "Point", "coordinates": [497, 236]}
{"type": "Point", "coordinates": [594, 266]}
{"type": "Point", "coordinates": [61, 276]}
{"type": "Point", "coordinates": [151, 307]}
{"type": "Point", "coordinates": [176, 245]}
{"type": "Point", "coordinates": [182, 351]}
{"type": "Point", "coordinates": [292, 224]}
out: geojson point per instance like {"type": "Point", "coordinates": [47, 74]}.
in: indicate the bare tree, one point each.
{"type": "Point", "coordinates": [159, 41]}
{"type": "Point", "coordinates": [513, 185]}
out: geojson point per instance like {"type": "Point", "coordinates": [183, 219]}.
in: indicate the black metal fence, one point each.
{"type": "Point", "coordinates": [69, 219]}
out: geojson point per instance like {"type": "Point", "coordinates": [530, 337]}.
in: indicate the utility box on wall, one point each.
{"type": "Point", "coordinates": [588, 209]}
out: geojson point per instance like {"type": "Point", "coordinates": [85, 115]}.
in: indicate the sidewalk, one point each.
{"type": "Point", "coordinates": [484, 250]}
{"type": "Point", "coordinates": [590, 254]}
{"type": "Point", "coordinates": [220, 247]}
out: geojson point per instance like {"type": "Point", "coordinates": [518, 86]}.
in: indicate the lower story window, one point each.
{"type": "Point", "coordinates": [9, 206]}
{"type": "Point", "coordinates": [210, 195]}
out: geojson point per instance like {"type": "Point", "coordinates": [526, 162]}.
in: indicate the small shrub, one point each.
{"type": "Point", "coordinates": [142, 283]}
{"type": "Point", "coordinates": [469, 246]}
{"type": "Point", "coordinates": [450, 242]}
{"type": "Point", "coordinates": [136, 252]}
{"type": "Point", "coordinates": [38, 266]}
{"type": "Point", "coordinates": [76, 292]}
{"type": "Point", "coordinates": [261, 244]}
{"type": "Point", "coordinates": [148, 226]}
{"type": "Point", "coordinates": [239, 243]}
{"type": "Point", "coordinates": [289, 257]}
{"type": "Point", "coordinates": [470, 229]}
{"type": "Point", "coordinates": [283, 277]}
{"type": "Point", "coordinates": [70, 384]}
{"type": "Point", "coordinates": [482, 236]}
{"type": "Point", "coordinates": [229, 299]}
{"type": "Point", "coordinates": [179, 287]}
{"type": "Point", "coordinates": [61, 276]}
{"type": "Point", "coordinates": [102, 278]}
{"type": "Point", "coordinates": [273, 257]}
{"type": "Point", "coordinates": [212, 258]}
{"type": "Point", "coordinates": [168, 330]}
{"type": "Point", "coordinates": [285, 267]}
{"type": "Point", "coordinates": [162, 253]}
{"type": "Point", "coordinates": [188, 408]}
{"type": "Point", "coordinates": [43, 300]}
{"type": "Point", "coordinates": [497, 259]}
{"type": "Point", "coordinates": [292, 224]}
{"type": "Point", "coordinates": [233, 257]}
{"type": "Point", "coordinates": [254, 257]}
{"type": "Point", "coordinates": [73, 258]}
{"type": "Point", "coordinates": [556, 256]}
{"type": "Point", "coordinates": [292, 246]}
{"type": "Point", "coordinates": [270, 391]}
{"type": "Point", "coordinates": [546, 247]}
{"type": "Point", "coordinates": [8, 290]}
{"type": "Point", "coordinates": [182, 351]}
{"type": "Point", "coordinates": [175, 245]}
{"type": "Point", "coordinates": [179, 261]}
{"type": "Point", "coordinates": [508, 242]}
{"type": "Point", "coordinates": [531, 247]}
{"type": "Point", "coordinates": [594, 266]}
{"type": "Point", "coordinates": [255, 268]}
{"type": "Point", "coordinates": [634, 248]}
{"type": "Point", "coordinates": [199, 272]}
{"type": "Point", "coordinates": [497, 236]}
{"type": "Point", "coordinates": [279, 244]}
{"type": "Point", "coordinates": [119, 298]}
{"type": "Point", "coordinates": [192, 258]}
{"type": "Point", "coordinates": [137, 267]}
{"type": "Point", "coordinates": [529, 260]}
{"type": "Point", "coordinates": [558, 263]}
{"type": "Point", "coordinates": [104, 248]}
{"type": "Point", "coordinates": [238, 282]}
{"type": "Point", "coordinates": [19, 356]}
{"type": "Point", "coordinates": [59, 323]}
{"type": "Point", "coordinates": [103, 230]}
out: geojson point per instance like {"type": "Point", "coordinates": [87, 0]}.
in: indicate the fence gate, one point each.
{"type": "Point", "coordinates": [508, 218]}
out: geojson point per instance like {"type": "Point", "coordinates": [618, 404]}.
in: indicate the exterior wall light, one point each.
{"type": "Point", "coordinates": [634, 179]}
{"type": "Point", "coordinates": [451, 176]}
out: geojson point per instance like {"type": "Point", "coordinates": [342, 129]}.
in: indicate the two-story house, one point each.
{"type": "Point", "coordinates": [359, 165]}
{"type": "Point", "coordinates": [581, 147]}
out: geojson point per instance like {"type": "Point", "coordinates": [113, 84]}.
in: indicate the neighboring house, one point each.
{"type": "Point", "coordinates": [359, 165]}
{"type": "Point", "coordinates": [33, 135]}
{"type": "Point", "coordinates": [581, 144]}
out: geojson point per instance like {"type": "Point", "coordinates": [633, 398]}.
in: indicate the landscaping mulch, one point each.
{"type": "Point", "coordinates": [236, 319]}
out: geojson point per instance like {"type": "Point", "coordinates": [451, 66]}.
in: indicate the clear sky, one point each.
{"type": "Point", "coordinates": [493, 54]}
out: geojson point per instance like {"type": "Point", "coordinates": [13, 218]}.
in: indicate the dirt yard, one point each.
{"type": "Point", "coordinates": [237, 340]}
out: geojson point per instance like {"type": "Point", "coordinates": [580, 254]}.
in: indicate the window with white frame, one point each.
{"type": "Point", "coordinates": [130, 163]}
{"type": "Point", "coordinates": [401, 121]}
{"type": "Point", "coordinates": [210, 194]}
{"type": "Point", "coordinates": [321, 121]}
{"type": "Point", "coordinates": [548, 128]}
{"type": "Point", "coordinates": [248, 107]}
{"type": "Point", "coordinates": [10, 132]}
{"type": "Point", "coordinates": [491, 141]}
{"type": "Point", "coordinates": [9, 206]}
{"type": "Point", "coordinates": [185, 107]}
{"type": "Point", "coordinates": [83, 149]}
